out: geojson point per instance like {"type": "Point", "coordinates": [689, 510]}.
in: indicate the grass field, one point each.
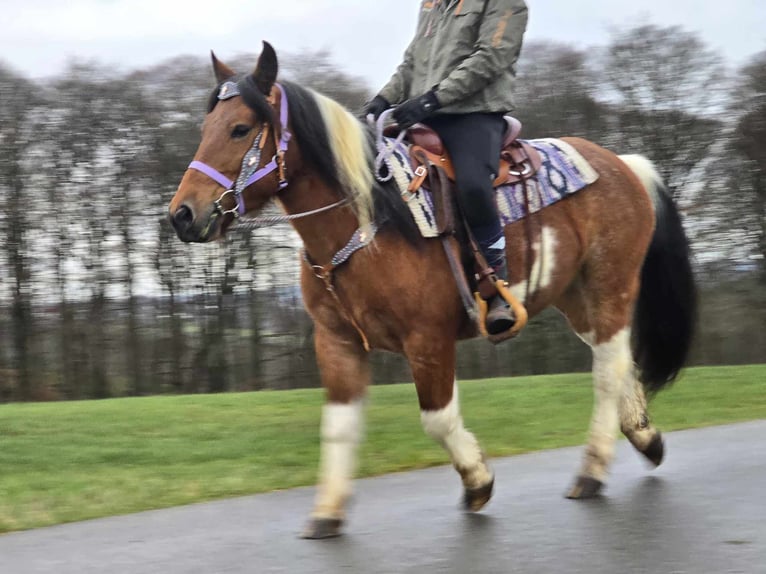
{"type": "Point", "coordinates": [61, 462]}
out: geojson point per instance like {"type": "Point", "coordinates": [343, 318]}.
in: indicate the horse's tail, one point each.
{"type": "Point", "coordinates": [665, 314]}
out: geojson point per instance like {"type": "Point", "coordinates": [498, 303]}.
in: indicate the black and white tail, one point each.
{"type": "Point", "coordinates": [665, 315]}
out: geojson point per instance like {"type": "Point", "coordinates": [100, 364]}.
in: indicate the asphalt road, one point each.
{"type": "Point", "coordinates": [703, 511]}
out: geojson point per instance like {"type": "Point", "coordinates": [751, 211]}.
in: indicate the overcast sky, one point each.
{"type": "Point", "coordinates": [366, 37]}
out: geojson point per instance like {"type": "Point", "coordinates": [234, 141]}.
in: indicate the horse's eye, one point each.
{"type": "Point", "coordinates": [240, 131]}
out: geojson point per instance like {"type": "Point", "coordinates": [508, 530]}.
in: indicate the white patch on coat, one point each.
{"type": "Point", "coordinates": [341, 432]}
{"type": "Point", "coordinates": [519, 290]}
{"type": "Point", "coordinates": [543, 267]}
{"type": "Point", "coordinates": [545, 260]}
{"type": "Point", "coordinates": [647, 173]}
{"type": "Point", "coordinates": [446, 427]}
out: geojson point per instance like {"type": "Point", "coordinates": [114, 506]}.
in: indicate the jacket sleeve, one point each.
{"type": "Point", "coordinates": [398, 87]}
{"type": "Point", "coordinates": [496, 50]}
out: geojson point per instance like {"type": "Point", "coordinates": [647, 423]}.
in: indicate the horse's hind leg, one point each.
{"type": "Point", "coordinates": [345, 375]}
{"type": "Point", "coordinates": [600, 311]}
{"type": "Point", "coordinates": [612, 364]}
{"type": "Point", "coordinates": [619, 398]}
{"type": "Point", "coordinates": [433, 368]}
{"type": "Point", "coordinates": [635, 424]}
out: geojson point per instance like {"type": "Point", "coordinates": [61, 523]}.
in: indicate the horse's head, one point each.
{"type": "Point", "coordinates": [239, 164]}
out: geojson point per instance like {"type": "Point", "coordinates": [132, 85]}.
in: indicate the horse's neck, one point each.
{"type": "Point", "coordinates": [323, 234]}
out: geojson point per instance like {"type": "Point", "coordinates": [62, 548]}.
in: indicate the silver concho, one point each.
{"type": "Point", "coordinates": [228, 90]}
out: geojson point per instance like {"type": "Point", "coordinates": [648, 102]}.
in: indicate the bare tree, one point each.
{"type": "Point", "coordinates": [18, 97]}
{"type": "Point", "coordinates": [556, 93]}
{"type": "Point", "coordinates": [98, 297]}
{"type": "Point", "coordinates": [750, 141]}
{"type": "Point", "coordinates": [667, 87]}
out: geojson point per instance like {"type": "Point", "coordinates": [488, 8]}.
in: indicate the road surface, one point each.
{"type": "Point", "coordinates": [703, 511]}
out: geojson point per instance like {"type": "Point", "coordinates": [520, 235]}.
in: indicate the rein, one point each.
{"type": "Point", "coordinates": [248, 223]}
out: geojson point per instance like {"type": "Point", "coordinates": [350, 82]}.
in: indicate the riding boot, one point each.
{"type": "Point", "coordinates": [499, 315]}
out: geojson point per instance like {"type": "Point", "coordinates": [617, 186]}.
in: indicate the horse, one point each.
{"type": "Point", "coordinates": [613, 258]}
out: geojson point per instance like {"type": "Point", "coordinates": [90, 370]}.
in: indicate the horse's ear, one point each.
{"type": "Point", "coordinates": [222, 71]}
{"type": "Point", "coordinates": [265, 73]}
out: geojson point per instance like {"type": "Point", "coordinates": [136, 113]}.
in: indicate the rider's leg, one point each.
{"type": "Point", "coordinates": [474, 142]}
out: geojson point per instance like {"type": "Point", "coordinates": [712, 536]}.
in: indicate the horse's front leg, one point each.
{"type": "Point", "coordinates": [345, 374]}
{"type": "Point", "coordinates": [433, 367]}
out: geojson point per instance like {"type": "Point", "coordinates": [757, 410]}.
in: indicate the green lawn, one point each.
{"type": "Point", "coordinates": [61, 462]}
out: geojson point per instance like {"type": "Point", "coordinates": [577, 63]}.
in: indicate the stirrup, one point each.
{"type": "Point", "coordinates": [518, 310]}
{"type": "Point", "coordinates": [500, 316]}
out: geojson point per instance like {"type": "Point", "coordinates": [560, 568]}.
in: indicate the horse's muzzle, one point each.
{"type": "Point", "coordinates": [191, 229]}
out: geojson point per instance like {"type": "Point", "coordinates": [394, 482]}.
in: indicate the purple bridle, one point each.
{"type": "Point", "coordinates": [249, 171]}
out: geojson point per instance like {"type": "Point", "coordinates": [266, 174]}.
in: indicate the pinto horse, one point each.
{"type": "Point", "coordinates": [613, 258]}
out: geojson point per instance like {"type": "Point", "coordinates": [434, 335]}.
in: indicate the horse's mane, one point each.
{"type": "Point", "coordinates": [341, 149]}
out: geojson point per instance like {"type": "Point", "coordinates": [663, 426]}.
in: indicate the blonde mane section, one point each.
{"type": "Point", "coordinates": [352, 156]}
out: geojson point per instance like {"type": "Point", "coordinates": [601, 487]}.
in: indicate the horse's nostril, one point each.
{"type": "Point", "coordinates": [183, 218]}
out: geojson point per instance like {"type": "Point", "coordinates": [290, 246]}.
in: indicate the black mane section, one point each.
{"type": "Point", "coordinates": [310, 130]}
{"type": "Point", "coordinates": [255, 99]}
{"type": "Point", "coordinates": [308, 124]}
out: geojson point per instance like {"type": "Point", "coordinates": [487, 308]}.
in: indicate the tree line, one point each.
{"type": "Point", "coordinates": [98, 298]}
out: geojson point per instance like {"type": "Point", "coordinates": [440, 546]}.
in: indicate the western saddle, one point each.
{"type": "Point", "coordinates": [518, 160]}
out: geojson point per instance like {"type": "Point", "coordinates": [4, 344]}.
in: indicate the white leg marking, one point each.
{"type": "Point", "coordinates": [633, 421]}
{"type": "Point", "coordinates": [612, 365]}
{"type": "Point", "coordinates": [543, 267]}
{"type": "Point", "coordinates": [341, 432]}
{"type": "Point", "coordinates": [446, 427]}
{"type": "Point", "coordinates": [589, 337]}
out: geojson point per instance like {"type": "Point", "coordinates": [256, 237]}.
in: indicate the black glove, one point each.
{"type": "Point", "coordinates": [376, 106]}
{"type": "Point", "coordinates": [415, 110]}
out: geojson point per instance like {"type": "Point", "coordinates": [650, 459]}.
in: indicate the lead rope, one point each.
{"type": "Point", "coordinates": [386, 149]}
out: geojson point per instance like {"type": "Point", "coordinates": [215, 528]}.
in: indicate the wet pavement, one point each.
{"type": "Point", "coordinates": [703, 511]}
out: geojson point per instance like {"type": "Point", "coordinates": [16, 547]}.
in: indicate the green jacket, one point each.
{"type": "Point", "coordinates": [467, 50]}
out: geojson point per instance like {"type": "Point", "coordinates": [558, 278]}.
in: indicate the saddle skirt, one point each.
{"type": "Point", "coordinates": [562, 172]}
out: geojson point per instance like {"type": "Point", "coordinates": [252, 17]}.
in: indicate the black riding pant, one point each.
{"type": "Point", "coordinates": [473, 141]}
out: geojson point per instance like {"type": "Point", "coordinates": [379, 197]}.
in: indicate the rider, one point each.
{"type": "Point", "coordinates": [457, 77]}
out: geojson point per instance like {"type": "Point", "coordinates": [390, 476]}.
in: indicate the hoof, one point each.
{"type": "Point", "coordinates": [585, 487]}
{"type": "Point", "coordinates": [474, 499]}
{"type": "Point", "coordinates": [655, 452]}
{"type": "Point", "coordinates": [319, 528]}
